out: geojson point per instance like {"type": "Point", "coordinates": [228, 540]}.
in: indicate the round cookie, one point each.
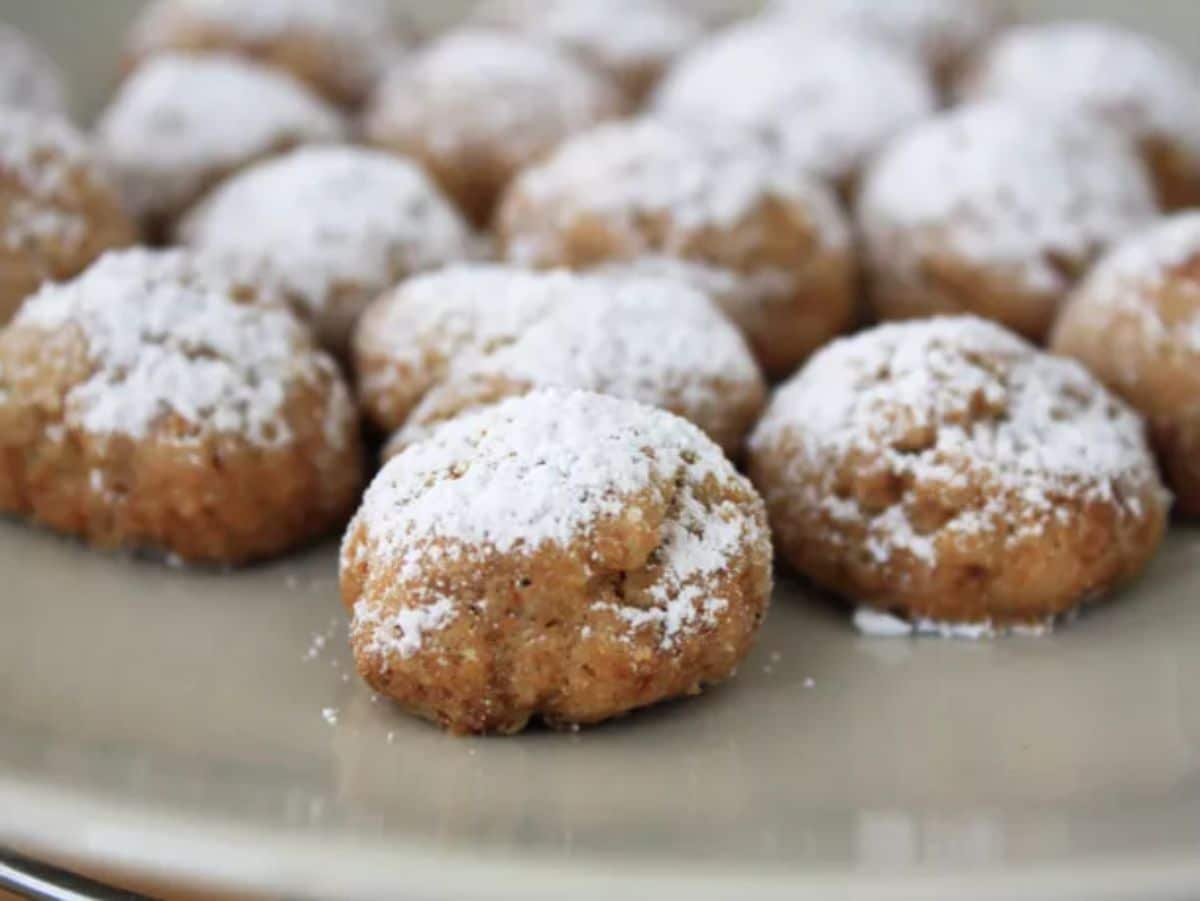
{"type": "Point", "coordinates": [948, 471]}
{"type": "Point", "coordinates": [829, 100]}
{"type": "Point", "coordinates": [1143, 88]}
{"type": "Point", "coordinates": [477, 106]}
{"type": "Point", "coordinates": [1135, 322]}
{"type": "Point", "coordinates": [721, 199]}
{"type": "Point", "coordinates": [632, 41]}
{"type": "Point", "coordinates": [468, 337]}
{"type": "Point", "coordinates": [180, 124]}
{"type": "Point", "coordinates": [335, 226]}
{"type": "Point", "coordinates": [340, 48]}
{"type": "Point", "coordinates": [58, 210]}
{"type": "Point", "coordinates": [996, 211]}
{"type": "Point", "coordinates": [29, 79]}
{"type": "Point", "coordinates": [944, 35]}
{"type": "Point", "coordinates": [566, 556]}
{"type": "Point", "coordinates": [150, 404]}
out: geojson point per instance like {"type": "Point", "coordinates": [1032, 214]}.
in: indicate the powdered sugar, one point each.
{"type": "Point", "coordinates": [165, 339]}
{"type": "Point", "coordinates": [336, 224]}
{"type": "Point", "coordinates": [954, 403]}
{"type": "Point", "coordinates": [400, 631]}
{"type": "Point", "coordinates": [829, 100]}
{"type": "Point", "coordinates": [1127, 79]}
{"type": "Point", "coordinates": [1005, 188]}
{"type": "Point", "coordinates": [877, 624]}
{"type": "Point", "coordinates": [29, 78]}
{"type": "Point", "coordinates": [179, 122]}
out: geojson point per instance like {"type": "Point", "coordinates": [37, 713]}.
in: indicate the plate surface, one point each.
{"type": "Point", "coordinates": [205, 729]}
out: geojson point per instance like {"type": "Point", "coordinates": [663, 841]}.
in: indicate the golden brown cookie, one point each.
{"type": "Point", "coordinates": [334, 226]}
{"type": "Point", "coordinates": [567, 556]}
{"type": "Point", "coordinates": [29, 78]}
{"type": "Point", "coordinates": [476, 106]}
{"type": "Point", "coordinates": [1135, 322]}
{"type": "Point", "coordinates": [152, 403]}
{"type": "Point", "coordinates": [949, 472]}
{"type": "Point", "coordinates": [456, 340]}
{"type": "Point", "coordinates": [338, 47]}
{"type": "Point", "coordinates": [995, 210]}
{"type": "Point", "coordinates": [1141, 87]}
{"type": "Point", "coordinates": [722, 199]}
{"type": "Point", "coordinates": [180, 124]}
{"type": "Point", "coordinates": [58, 210]}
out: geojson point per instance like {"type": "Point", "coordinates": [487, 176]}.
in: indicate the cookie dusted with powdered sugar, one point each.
{"type": "Point", "coordinates": [338, 47]}
{"type": "Point", "coordinates": [29, 79]}
{"type": "Point", "coordinates": [157, 403]}
{"type": "Point", "coordinates": [950, 472]}
{"type": "Point", "coordinates": [996, 210]}
{"type": "Point", "coordinates": [467, 337]}
{"type": "Point", "coordinates": [58, 208]}
{"type": "Point", "coordinates": [476, 106]}
{"type": "Point", "coordinates": [1139, 86]}
{"type": "Point", "coordinates": [180, 124]}
{"type": "Point", "coordinates": [830, 101]}
{"type": "Point", "coordinates": [334, 225]}
{"type": "Point", "coordinates": [566, 556]}
{"type": "Point", "coordinates": [1135, 323]}
{"type": "Point", "coordinates": [721, 199]}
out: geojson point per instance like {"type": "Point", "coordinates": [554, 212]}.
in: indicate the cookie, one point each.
{"type": "Point", "coordinates": [335, 226]}
{"type": "Point", "coordinates": [996, 211]}
{"type": "Point", "coordinates": [58, 209]}
{"type": "Point", "coordinates": [566, 556]}
{"type": "Point", "coordinates": [180, 124]}
{"type": "Point", "coordinates": [718, 198]}
{"type": "Point", "coordinates": [476, 106]}
{"type": "Point", "coordinates": [154, 403]}
{"type": "Point", "coordinates": [1139, 86]}
{"type": "Point", "coordinates": [466, 337]}
{"type": "Point", "coordinates": [949, 472]}
{"type": "Point", "coordinates": [1135, 323]}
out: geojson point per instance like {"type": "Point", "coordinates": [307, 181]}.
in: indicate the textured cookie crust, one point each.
{"type": "Point", "coordinates": [58, 211]}
{"type": "Point", "coordinates": [1135, 322]}
{"type": "Point", "coordinates": [565, 556]}
{"type": "Point", "coordinates": [995, 210]}
{"type": "Point", "coordinates": [948, 471]}
{"type": "Point", "coordinates": [477, 106]}
{"type": "Point", "coordinates": [154, 404]}
{"type": "Point", "coordinates": [649, 188]}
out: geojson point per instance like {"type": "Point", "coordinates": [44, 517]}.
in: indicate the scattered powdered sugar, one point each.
{"type": "Point", "coordinates": [878, 624]}
{"type": "Point", "coordinates": [829, 100]}
{"type": "Point", "coordinates": [1124, 77]}
{"type": "Point", "coordinates": [29, 78]}
{"type": "Point", "coordinates": [165, 338]}
{"type": "Point", "coordinates": [400, 631]}
{"type": "Point", "coordinates": [491, 89]}
{"type": "Point", "coordinates": [330, 218]}
{"type": "Point", "coordinates": [1004, 187]}
{"type": "Point", "coordinates": [180, 121]}
{"type": "Point", "coordinates": [329, 715]}
{"type": "Point", "coordinates": [624, 172]}
{"type": "Point", "coordinates": [614, 35]}
{"type": "Point", "coordinates": [963, 406]}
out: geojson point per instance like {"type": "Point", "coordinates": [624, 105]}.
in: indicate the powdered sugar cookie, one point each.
{"type": "Point", "coordinates": [829, 100]}
{"type": "Point", "coordinates": [1143, 88]}
{"type": "Point", "coordinates": [567, 556]}
{"type": "Point", "coordinates": [632, 41]}
{"type": "Point", "coordinates": [724, 200]}
{"type": "Point", "coordinates": [948, 471]}
{"type": "Point", "coordinates": [58, 210]}
{"type": "Point", "coordinates": [476, 106]}
{"type": "Point", "coordinates": [467, 337]}
{"type": "Point", "coordinates": [29, 78]}
{"type": "Point", "coordinates": [335, 225]}
{"type": "Point", "coordinates": [180, 124]}
{"type": "Point", "coordinates": [1135, 322]}
{"type": "Point", "coordinates": [144, 406]}
{"type": "Point", "coordinates": [339, 47]}
{"type": "Point", "coordinates": [996, 211]}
